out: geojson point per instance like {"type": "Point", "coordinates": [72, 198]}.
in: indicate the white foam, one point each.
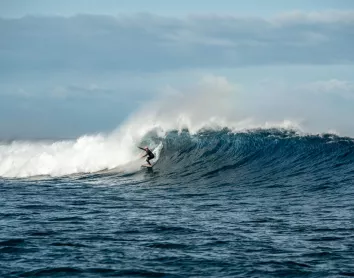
{"type": "Point", "coordinates": [89, 153]}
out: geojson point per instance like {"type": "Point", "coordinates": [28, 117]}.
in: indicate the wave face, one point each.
{"type": "Point", "coordinates": [259, 156]}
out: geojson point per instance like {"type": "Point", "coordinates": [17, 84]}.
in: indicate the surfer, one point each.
{"type": "Point", "coordinates": [149, 154]}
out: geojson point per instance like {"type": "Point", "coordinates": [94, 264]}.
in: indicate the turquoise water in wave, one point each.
{"type": "Point", "coordinates": [266, 203]}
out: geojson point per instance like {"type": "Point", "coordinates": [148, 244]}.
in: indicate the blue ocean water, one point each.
{"type": "Point", "coordinates": [262, 203]}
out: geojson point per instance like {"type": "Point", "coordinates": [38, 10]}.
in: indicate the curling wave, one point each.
{"type": "Point", "coordinates": [259, 154]}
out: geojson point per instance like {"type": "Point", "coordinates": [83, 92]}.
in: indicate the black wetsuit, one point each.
{"type": "Point", "coordinates": [149, 154]}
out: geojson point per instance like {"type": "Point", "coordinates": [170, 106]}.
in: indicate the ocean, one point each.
{"type": "Point", "coordinates": [271, 202]}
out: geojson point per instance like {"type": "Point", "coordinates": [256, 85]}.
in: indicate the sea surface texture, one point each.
{"type": "Point", "coordinates": [261, 203]}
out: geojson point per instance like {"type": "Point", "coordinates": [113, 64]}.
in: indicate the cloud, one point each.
{"type": "Point", "coordinates": [324, 17]}
{"type": "Point", "coordinates": [146, 42]}
{"type": "Point", "coordinates": [334, 86]}
{"type": "Point", "coordinates": [92, 90]}
{"type": "Point", "coordinates": [331, 85]}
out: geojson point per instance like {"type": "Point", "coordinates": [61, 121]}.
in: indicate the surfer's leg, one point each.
{"type": "Point", "coordinates": [148, 160]}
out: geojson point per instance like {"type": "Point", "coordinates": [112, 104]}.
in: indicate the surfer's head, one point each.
{"type": "Point", "coordinates": [146, 148]}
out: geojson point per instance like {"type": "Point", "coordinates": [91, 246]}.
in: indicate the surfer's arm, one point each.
{"type": "Point", "coordinates": [144, 151]}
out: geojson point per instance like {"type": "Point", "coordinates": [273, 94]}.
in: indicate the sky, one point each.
{"type": "Point", "coordinates": [18, 8]}
{"type": "Point", "coordinates": [69, 68]}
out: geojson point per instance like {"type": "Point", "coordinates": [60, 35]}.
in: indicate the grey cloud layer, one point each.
{"type": "Point", "coordinates": [147, 42]}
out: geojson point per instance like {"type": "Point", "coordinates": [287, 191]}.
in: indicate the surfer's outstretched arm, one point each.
{"type": "Point", "coordinates": [143, 150]}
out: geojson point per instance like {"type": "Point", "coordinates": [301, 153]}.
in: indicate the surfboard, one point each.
{"type": "Point", "coordinates": [147, 166]}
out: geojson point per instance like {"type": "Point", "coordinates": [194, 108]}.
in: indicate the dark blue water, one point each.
{"type": "Point", "coordinates": [268, 203]}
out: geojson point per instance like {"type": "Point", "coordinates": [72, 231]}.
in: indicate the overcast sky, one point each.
{"type": "Point", "coordinates": [74, 67]}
